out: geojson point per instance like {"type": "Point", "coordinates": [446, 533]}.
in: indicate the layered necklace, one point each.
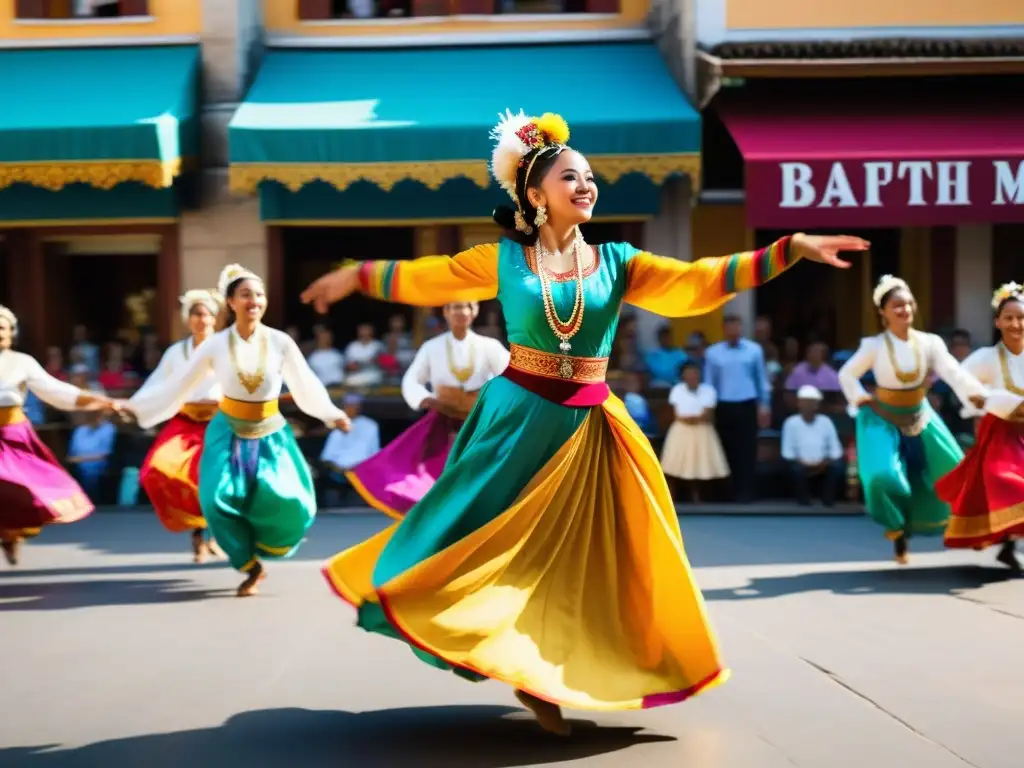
{"type": "Point", "coordinates": [905, 377]}
{"type": "Point", "coordinates": [251, 381]}
{"type": "Point", "coordinates": [564, 330]}
{"type": "Point", "coordinates": [1004, 366]}
{"type": "Point", "coordinates": [462, 375]}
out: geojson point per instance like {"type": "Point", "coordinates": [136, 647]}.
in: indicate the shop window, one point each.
{"type": "Point", "coordinates": [80, 9]}
{"type": "Point", "coordinates": [323, 10]}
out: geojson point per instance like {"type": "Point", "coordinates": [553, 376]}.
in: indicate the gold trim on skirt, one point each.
{"type": "Point", "coordinates": [201, 412]}
{"type": "Point", "coordinates": [900, 398]}
{"type": "Point", "coordinates": [580, 370]}
{"type": "Point", "coordinates": [11, 414]}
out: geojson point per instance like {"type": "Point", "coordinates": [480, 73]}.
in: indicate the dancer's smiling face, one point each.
{"type": "Point", "coordinates": [248, 300]}
{"type": "Point", "coordinates": [568, 190]}
{"type": "Point", "coordinates": [1010, 321]}
{"type": "Point", "coordinates": [6, 333]}
{"type": "Point", "coordinates": [898, 309]}
{"type": "Point", "coordinates": [201, 320]}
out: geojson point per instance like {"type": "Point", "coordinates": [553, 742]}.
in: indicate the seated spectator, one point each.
{"type": "Point", "coordinates": [693, 452]}
{"type": "Point", "coordinates": [665, 362]}
{"type": "Point", "coordinates": [390, 361]}
{"type": "Point", "coordinates": [636, 404]}
{"type": "Point", "coordinates": [83, 350]}
{"type": "Point", "coordinates": [89, 452]}
{"type": "Point", "coordinates": [811, 447]}
{"type": "Point", "coordinates": [55, 363]}
{"type": "Point", "coordinates": [327, 362]}
{"type": "Point", "coordinates": [492, 325]}
{"type": "Point", "coordinates": [625, 356]}
{"type": "Point", "coordinates": [814, 371]}
{"type": "Point", "coordinates": [344, 451]}
{"type": "Point", "coordinates": [403, 348]}
{"type": "Point", "coordinates": [115, 375]}
{"type": "Point", "coordinates": [361, 359]}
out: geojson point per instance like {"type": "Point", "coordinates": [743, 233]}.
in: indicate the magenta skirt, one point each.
{"type": "Point", "coordinates": [35, 490]}
{"type": "Point", "coordinates": [397, 477]}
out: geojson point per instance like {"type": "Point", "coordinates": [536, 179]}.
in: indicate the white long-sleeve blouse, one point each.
{"type": "Point", "coordinates": [20, 372]}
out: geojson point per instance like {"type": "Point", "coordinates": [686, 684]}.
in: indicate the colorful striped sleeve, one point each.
{"type": "Point", "coordinates": [431, 281]}
{"type": "Point", "coordinates": [675, 288]}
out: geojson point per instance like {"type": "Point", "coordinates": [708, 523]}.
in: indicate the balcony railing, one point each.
{"type": "Point", "coordinates": [326, 10]}
{"type": "Point", "coordinates": [80, 9]}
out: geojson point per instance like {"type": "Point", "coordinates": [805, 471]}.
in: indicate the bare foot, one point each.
{"type": "Point", "coordinates": [549, 716]}
{"type": "Point", "coordinates": [899, 546]}
{"type": "Point", "coordinates": [11, 549]}
{"type": "Point", "coordinates": [250, 586]}
{"type": "Point", "coordinates": [213, 549]}
{"type": "Point", "coordinates": [198, 550]}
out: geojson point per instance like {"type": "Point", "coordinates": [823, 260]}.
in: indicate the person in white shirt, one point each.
{"type": "Point", "coordinates": [692, 450]}
{"type": "Point", "coordinates": [255, 487]}
{"type": "Point", "coordinates": [361, 359]}
{"type": "Point", "coordinates": [986, 491]}
{"type": "Point", "coordinates": [810, 444]}
{"type": "Point", "coordinates": [454, 365]}
{"type": "Point", "coordinates": [902, 445]}
{"type": "Point", "coordinates": [170, 472]}
{"type": "Point", "coordinates": [35, 490]}
{"type": "Point", "coordinates": [344, 451]}
{"type": "Point", "coordinates": [327, 362]}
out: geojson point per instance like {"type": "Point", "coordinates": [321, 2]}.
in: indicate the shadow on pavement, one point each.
{"type": "Point", "coordinates": [936, 580]}
{"type": "Point", "coordinates": [423, 737]}
{"type": "Point", "coordinates": [63, 595]}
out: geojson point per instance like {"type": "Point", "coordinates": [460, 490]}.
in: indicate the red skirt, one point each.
{"type": "Point", "coordinates": [170, 474]}
{"type": "Point", "coordinates": [986, 490]}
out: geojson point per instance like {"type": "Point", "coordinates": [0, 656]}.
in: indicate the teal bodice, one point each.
{"type": "Point", "coordinates": [603, 290]}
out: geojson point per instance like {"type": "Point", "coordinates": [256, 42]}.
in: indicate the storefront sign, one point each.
{"type": "Point", "coordinates": [881, 192]}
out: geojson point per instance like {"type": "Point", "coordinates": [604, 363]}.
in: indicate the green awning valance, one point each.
{"type": "Point", "coordinates": [386, 116]}
{"type": "Point", "coordinates": [97, 116]}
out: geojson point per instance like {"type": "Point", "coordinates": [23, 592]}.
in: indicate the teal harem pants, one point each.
{"type": "Point", "coordinates": [256, 493]}
{"type": "Point", "coordinates": [898, 472]}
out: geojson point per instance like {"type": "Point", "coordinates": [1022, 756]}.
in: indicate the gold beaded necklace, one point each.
{"type": "Point", "coordinates": [462, 375]}
{"type": "Point", "coordinates": [251, 381]}
{"type": "Point", "coordinates": [904, 377]}
{"type": "Point", "coordinates": [1004, 366]}
{"type": "Point", "coordinates": [564, 330]}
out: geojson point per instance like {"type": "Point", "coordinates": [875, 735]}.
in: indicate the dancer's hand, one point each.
{"type": "Point", "coordinates": [978, 401]}
{"type": "Point", "coordinates": [344, 423]}
{"type": "Point", "coordinates": [825, 249]}
{"type": "Point", "coordinates": [332, 287]}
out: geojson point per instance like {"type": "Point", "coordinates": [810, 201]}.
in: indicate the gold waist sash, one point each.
{"type": "Point", "coordinates": [900, 398]}
{"type": "Point", "coordinates": [580, 370]}
{"type": "Point", "coordinates": [11, 414]}
{"type": "Point", "coordinates": [199, 411]}
{"type": "Point", "coordinates": [252, 420]}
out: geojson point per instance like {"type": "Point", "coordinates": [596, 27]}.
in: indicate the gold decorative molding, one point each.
{"type": "Point", "coordinates": [102, 174]}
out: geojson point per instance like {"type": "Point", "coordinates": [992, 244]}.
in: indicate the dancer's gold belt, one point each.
{"type": "Point", "coordinates": [249, 411]}
{"type": "Point", "coordinates": [199, 411]}
{"type": "Point", "coordinates": [900, 398]}
{"type": "Point", "coordinates": [11, 414]}
{"type": "Point", "coordinates": [580, 370]}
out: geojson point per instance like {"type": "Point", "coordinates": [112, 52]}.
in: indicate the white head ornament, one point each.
{"type": "Point", "coordinates": [212, 300]}
{"type": "Point", "coordinates": [233, 272]}
{"type": "Point", "coordinates": [9, 316]}
{"type": "Point", "coordinates": [1007, 291]}
{"type": "Point", "coordinates": [885, 284]}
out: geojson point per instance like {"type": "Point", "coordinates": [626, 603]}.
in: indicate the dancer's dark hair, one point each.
{"type": "Point", "coordinates": [536, 164]}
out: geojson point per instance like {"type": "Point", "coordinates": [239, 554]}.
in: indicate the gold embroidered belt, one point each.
{"type": "Point", "coordinates": [581, 370]}
{"type": "Point", "coordinates": [11, 414]}
{"type": "Point", "coordinates": [900, 398]}
{"type": "Point", "coordinates": [201, 412]}
{"type": "Point", "coordinates": [251, 420]}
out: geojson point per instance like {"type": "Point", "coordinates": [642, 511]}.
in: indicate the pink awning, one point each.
{"type": "Point", "coordinates": [917, 162]}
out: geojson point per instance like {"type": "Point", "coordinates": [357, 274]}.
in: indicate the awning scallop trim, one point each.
{"type": "Point", "coordinates": [102, 174]}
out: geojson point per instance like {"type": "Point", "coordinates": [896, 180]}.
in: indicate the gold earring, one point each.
{"type": "Point", "coordinates": [542, 216]}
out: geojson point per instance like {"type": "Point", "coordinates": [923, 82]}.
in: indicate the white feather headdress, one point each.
{"type": "Point", "coordinates": [1006, 291]}
{"type": "Point", "coordinates": [212, 300]}
{"type": "Point", "coordinates": [885, 284]}
{"type": "Point", "coordinates": [9, 316]}
{"type": "Point", "coordinates": [515, 136]}
{"type": "Point", "coordinates": [233, 272]}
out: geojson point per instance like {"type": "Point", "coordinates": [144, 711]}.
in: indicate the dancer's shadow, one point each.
{"type": "Point", "coordinates": [936, 580]}
{"type": "Point", "coordinates": [424, 737]}
{"type": "Point", "coordinates": [64, 595]}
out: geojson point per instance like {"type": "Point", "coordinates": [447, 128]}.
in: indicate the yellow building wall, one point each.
{"type": "Point", "coordinates": [716, 230]}
{"type": "Point", "coordinates": [281, 17]}
{"type": "Point", "coordinates": [169, 18]}
{"type": "Point", "coordinates": [839, 14]}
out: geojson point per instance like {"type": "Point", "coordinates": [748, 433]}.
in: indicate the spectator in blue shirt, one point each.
{"type": "Point", "coordinates": [665, 361]}
{"type": "Point", "coordinates": [736, 370]}
{"type": "Point", "coordinates": [636, 405]}
{"type": "Point", "coordinates": [89, 452]}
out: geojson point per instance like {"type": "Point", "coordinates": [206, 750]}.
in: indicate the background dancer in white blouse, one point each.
{"type": "Point", "coordinates": [255, 487]}
{"type": "Point", "coordinates": [986, 491]}
{"type": "Point", "coordinates": [170, 473]}
{"type": "Point", "coordinates": [903, 447]}
{"type": "Point", "coordinates": [455, 365]}
{"type": "Point", "coordinates": [34, 488]}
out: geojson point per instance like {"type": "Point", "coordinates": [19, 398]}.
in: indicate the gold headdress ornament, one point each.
{"type": "Point", "coordinates": [885, 284]}
{"type": "Point", "coordinates": [212, 300]}
{"type": "Point", "coordinates": [9, 316]}
{"type": "Point", "coordinates": [233, 272]}
{"type": "Point", "coordinates": [516, 136]}
{"type": "Point", "coordinates": [1007, 291]}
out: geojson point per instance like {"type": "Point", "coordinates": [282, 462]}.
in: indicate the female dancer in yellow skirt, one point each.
{"type": "Point", "coordinates": [170, 473]}
{"type": "Point", "coordinates": [548, 554]}
{"type": "Point", "coordinates": [255, 487]}
{"type": "Point", "coordinates": [35, 489]}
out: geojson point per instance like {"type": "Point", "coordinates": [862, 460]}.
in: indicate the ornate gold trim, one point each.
{"type": "Point", "coordinates": [901, 398]}
{"type": "Point", "coordinates": [246, 177]}
{"type": "Point", "coordinates": [581, 370]}
{"type": "Point", "coordinates": [102, 174]}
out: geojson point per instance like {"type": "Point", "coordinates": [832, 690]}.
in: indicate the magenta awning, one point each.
{"type": "Point", "coordinates": [917, 162]}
